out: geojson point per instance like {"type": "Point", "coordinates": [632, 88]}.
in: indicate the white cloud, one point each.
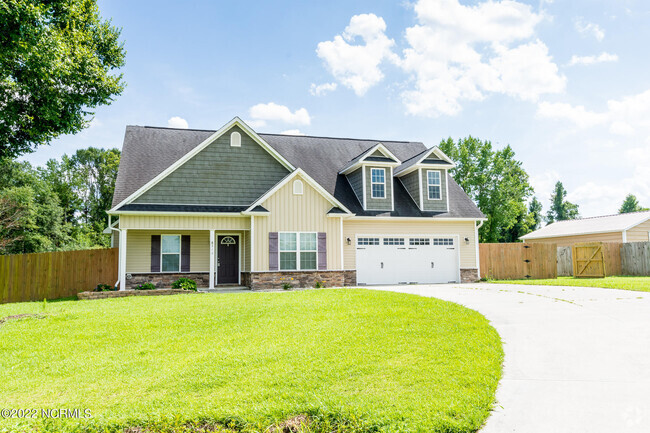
{"type": "Point", "coordinates": [589, 29]}
{"type": "Point", "coordinates": [462, 53]}
{"type": "Point", "coordinates": [292, 132]}
{"type": "Point", "coordinates": [261, 113]}
{"type": "Point", "coordinates": [455, 54]}
{"type": "Point", "coordinates": [628, 116]}
{"type": "Point", "coordinates": [177, 122]}
{"type": "Point", "coordinates": [590, 60]}
{"type": "Point", "coordinates": [321, 89]}
{"type": "Point", "coordinates": [356, 66]}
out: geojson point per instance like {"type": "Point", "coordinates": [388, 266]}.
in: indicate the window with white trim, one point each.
{"type": "Point", "coordinates": [393, 241]}
{"type": "Point", "coordinates": [434, 184]}
{"type": "Point", "coordinates": [419, 241]}
{"type": "Point", "coordinates": [298, 251]}
{"type": "Point", "coordinates": [378, 182]}
{"type": "Point", "coordinates": [368, 241]}
{"type": "Point", "coordinates": [170, 257]}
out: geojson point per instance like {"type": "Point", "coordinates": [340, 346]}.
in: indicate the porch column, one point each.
{"type": "Point", "coordinates": [211, 284]}
{"type": "Point", "coordinates": [122, 259]}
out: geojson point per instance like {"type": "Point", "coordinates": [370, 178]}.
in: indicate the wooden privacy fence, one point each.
{"type": "Point", "coordinates": [635, 258]}
{"type": "Point", "coordinates": [515, 261]}
{"type": "Point", "coordinates": [588, 260]}
{"type": "Point", "coordinates": [34, 277]}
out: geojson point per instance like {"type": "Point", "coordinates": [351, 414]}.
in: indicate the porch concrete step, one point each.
{"type": "Point", "coordinates": [226, 289]}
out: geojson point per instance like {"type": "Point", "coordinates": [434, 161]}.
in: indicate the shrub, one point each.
{"type": "Point", "coordinates": [319, 285]}
{"type": "Point", "coordinates": [145, 286]}
{"type": "Point", "coordinates": [184, 283]}
{"type": "Point", "coordinates": [105, 288]}
{"type": "Point", "coordinates": [287, 286]}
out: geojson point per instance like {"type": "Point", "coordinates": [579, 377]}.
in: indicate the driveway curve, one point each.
{"type": "Point", "coordinates": [576, 359]}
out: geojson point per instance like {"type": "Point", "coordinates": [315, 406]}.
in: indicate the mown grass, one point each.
{"type": "Point", "coordinates": [353, 360]}
{"type": "Point", "coordinates": [639, 284]}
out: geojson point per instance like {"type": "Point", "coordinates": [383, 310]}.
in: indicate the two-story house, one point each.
{"type": "Point", "coordinates": [236, 207]}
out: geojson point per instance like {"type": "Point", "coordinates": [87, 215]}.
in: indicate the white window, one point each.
{"type": "Point", "coordinates": [433, 184]}
{"type": "Point", "coordinates": [368, 241]}
{"type": "Point", "coordinates": [298, 251]}
{"type": "Point", "coordinates": [235, 139]}
{"type": "Point", "coordinates": [170, 257]}
{"type": "Point", "coordinates": [393, 241]}
{"type": "Point", "coordinates": [419, 241]}
{"type": "Point", "coordinates": [378, 182]}
{"type": "Point", "coordinates": [297, 187]}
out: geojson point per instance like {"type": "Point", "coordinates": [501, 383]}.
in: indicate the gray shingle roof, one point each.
{"type": "Point", "coordinates": [148, 151]}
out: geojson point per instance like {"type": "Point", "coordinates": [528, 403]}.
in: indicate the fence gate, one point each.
{"type": "Point", "coordinates": [588, 260]}
{"type": "Point", "coordinates": [515, 261]}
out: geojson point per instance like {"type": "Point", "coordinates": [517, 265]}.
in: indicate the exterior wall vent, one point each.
{"type": "Point", "coordinates": [235, 139]}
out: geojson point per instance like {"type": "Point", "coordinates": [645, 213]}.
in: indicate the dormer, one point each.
{"type": "Point", "coordinates": [425, 178]}
{"type": "Point", "coordinates": [371, 177]}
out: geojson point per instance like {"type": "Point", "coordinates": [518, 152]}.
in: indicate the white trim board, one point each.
{"type": "Point", "coordinates": [380, 147]}
{"type": "Point", "coordinates": [234, 122]}
{"type": "Point", "coordinates": [418, 164]}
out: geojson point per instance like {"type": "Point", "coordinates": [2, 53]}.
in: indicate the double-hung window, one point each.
{"type": "Point", "coordinates": [433, 184]}
{"type": "Point", "coordinates": [378, 182]}
{"type": "Point", "coordinates": [170, 256]}
{"type": "Point", "coordinates": [298, 251]}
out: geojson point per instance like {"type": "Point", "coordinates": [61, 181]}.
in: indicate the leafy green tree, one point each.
{"type": "Point", "coordinates": [561, 209]}
{"type": "Point", "coordinates": [496, 182]}
{"type": "Point", "coordinates": [535, 210]}
{"type": "Point", "coordinates": [56, 63]}
{"type": "Point", "coordinates": [631, 204]}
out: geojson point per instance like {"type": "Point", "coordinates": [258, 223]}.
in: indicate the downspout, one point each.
{"type": "Point", "coordinates": [478, 256]}
{"type": "Point", "coordinates": [624, 236]}
{"type": "Point", "coordinates": [119, 233]}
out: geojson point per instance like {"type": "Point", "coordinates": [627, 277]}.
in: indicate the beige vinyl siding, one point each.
{"type": "Point", "coordinates": [138, 250]}
{"type": "Point", "coordinates": [184, 222]}
{"type": "Point", "coordinates": [464, 229]}
{"type": "Point", "coordinates": [246, 253]}
{"type": "Point", "coordinates": [639, 233]}
{"type": "Point", "coordinates": [297, 213]}
{"type": "Point", "coordinates": [567, 241]}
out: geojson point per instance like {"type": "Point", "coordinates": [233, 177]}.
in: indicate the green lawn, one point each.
{"type": "Point", "coordinates": [352, 360]}
{"type": "Point", "coordinates": [641, 284]}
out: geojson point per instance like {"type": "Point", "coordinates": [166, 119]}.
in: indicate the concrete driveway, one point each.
{"type": "Point", "coordinates": [576, 359]}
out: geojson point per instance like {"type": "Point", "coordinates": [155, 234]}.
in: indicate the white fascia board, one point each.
{"type": "Point", "coordinates": [636, 224]}
{"type": "Point", "coordinates": [439, 153]}
{"type": "Point", "coordinates": [440, 219]}
{"type": "Point", "coordinates": [309, 180]}
{"type": "Point", "coordinates": [163, 213]}
{"type": "Point", "coordinates": [383, 149]}
{"type": "Point", "coordinates": [234, 122]}
{"type": "Point", "coordinates": [528, 236]}
{"type": "Point", "coordinates": [364, 163]}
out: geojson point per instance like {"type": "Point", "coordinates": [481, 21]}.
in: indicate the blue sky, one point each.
{"type": "Point", "coordinates": [565, 83]}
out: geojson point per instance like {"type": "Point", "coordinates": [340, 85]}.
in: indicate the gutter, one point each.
{"type": "Point", "coordinates": [110, 226]}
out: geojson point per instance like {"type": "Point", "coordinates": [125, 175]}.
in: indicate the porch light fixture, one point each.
{"type": "Point", "coordinates": [349, 241]}
{"type": "Point", "coordinates": [466, 241]}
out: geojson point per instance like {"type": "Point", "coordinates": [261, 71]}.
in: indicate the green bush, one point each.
{"type": "Point", "coordinates": [319, 285]}
{"type": "Point", "coordinates": [185, 284]}
{"type": "Point", "coordinates": [287, 286]}
{"type": "Point", "coordinates": [145, 286]}
{"type": "Point", "coordinates": [104, 288]}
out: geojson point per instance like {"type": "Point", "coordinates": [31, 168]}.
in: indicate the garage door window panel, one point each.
{"type": "Point", "coordinates": [419, 241]}
{"type": "Point", "coordinates": [368, 241]}
{"type": "Point", "coordinates": [394, 241]}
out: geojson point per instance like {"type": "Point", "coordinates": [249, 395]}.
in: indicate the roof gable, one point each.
{"type": "Point", "coordinates": [214, 162]}
{"type": "Point", "coordinates": [433, 157]}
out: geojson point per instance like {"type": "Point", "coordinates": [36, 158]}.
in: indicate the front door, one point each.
{"type": "Point", "coordinates": [228, 260]}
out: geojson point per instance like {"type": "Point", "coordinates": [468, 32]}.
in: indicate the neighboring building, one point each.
{"type": "Point", "coordinates": [236, 207]}
{"type": "Point", "coordinates": [626, 227]}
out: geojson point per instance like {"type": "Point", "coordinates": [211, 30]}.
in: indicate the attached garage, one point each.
{"type": "Point", "coordinates": [412, 259]}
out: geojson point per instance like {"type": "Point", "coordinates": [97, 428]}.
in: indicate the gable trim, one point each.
{"type": "Point", "coordinates": [299, 171]}
{"type": "Point", "coordinates": [236, 121]}
{"type": "Point", "coordinates": [435, 150]}
{"type": "Point", "coordinates": [354, 164]}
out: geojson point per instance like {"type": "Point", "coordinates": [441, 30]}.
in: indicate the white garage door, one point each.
{"type": "Point", "coordinates": [407, 259]}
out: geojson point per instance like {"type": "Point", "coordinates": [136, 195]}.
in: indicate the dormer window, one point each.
{"type": "Point", "coordinates": [378, 182]}
{"type": "Point", "coordinates": [235, 139]}
{"type": "Point", "coordinates": [433, 184]}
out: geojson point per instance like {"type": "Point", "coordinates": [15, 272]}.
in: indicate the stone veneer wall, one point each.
{"type": "Point", "coordinates": [298, 279]}
{"type": "Point", "coordinates": [163, 281]}
{"type": "Point", "coordinates": [469, 275]}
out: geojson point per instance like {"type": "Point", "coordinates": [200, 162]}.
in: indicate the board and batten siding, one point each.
{"type": "Point", "coordinates": [138, 249]}
{"type": "Point", "coordinates": [639, 233]}
{"type": "Point", "coordinates": [385, 203]}
{"type": "Point", "coordinates": [184, 222]}
{"type": "Point", "coordinates": [434, 205]}
{"type": "Point", "coordinates": [220, 175]}
{"type": "Point", "coordinates": [464, 229]}
{"type": "Point", "coordinates": [297, 213]}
